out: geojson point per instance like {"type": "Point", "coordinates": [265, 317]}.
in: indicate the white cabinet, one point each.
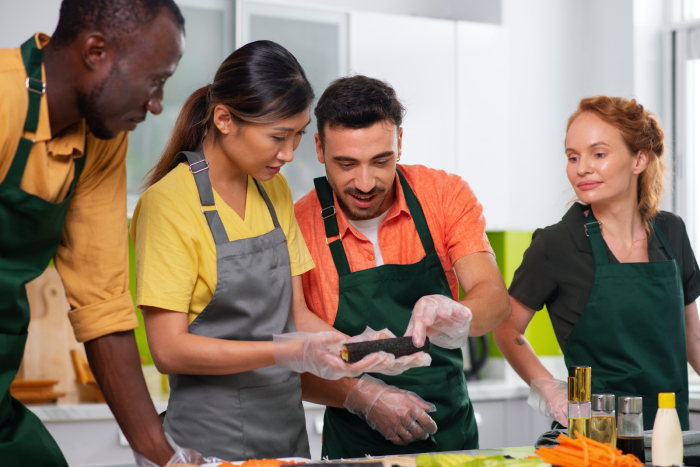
{"type": "Point", "coordinates": [508, 423]}
{"type": "Point", "coordinates": [417, 57]}
{"type": "Point", "coordinates": [482, 117]}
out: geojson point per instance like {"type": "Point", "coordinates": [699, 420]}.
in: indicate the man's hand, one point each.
{"type": "Point", "coordinates": [442, 319]}
{"type": "Point", "coordinates": [400, 416]}
{"type": "Point", "coordinates": [319, 354]}
{"type": "Point", "coordinates": [181, 456]}
{"type": "Point", "coordinates": [114, 360]}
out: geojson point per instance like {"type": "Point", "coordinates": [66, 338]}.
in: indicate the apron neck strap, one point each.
{"type": "Point", "coordinates": [595, 236]}
{"type": "Point", "coordinates": [662, 239]}
{"type": "Point", "coordinates": [418, 215]}
{"type": "Point", "coordinates": [32, 57]}
{"type": "Point", "coordinates": [200, 170]}
{"type": "Point", "coordinates": [330, 221]}
{"type": "Point", "coordinates": [598, 247]}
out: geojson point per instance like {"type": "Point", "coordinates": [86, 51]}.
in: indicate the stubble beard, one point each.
{"type": "Point", "coordinates": [353, 211]}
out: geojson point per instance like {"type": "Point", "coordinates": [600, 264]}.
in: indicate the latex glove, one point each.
{"type": "Point", "coordinates": [319, 354]}
{"type": "Point", "coordinates": [181, 456]}
{"type": "Point", "coordinates": [391, 411]}
{"type": "Point", "coordinates": [400, 364]}
{"type": "Point", "coordinates": [442, 319]}
{"type": "Point", "coordinates": [550, 397]}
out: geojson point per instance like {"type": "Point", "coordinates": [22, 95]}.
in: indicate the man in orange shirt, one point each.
{"type": "Point", "coordinates": [391, 243]}
{"type": "Point", "coordinates": [66, 105]}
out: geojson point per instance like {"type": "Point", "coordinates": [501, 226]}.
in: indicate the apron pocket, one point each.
{"type": "Point", "coordinates": [273, 420]}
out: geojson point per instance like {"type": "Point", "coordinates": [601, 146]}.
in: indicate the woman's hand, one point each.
{"type": "Point", "coordinates": [319, 354]}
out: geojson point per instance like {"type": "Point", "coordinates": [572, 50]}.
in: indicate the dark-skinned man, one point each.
{"type": "Point", "coordinates": [390, 243]}
{"type": "Point", "coordinates": [66, 106]}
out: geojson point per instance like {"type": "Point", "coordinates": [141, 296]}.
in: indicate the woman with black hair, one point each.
{"type": "Point", "coordinates": [218, 261]}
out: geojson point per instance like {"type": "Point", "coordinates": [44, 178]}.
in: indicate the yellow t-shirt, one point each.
{"type": "Point", "coordinates": [175, 250]}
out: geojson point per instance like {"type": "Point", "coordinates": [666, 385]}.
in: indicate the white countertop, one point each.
{"type": "Point", "coordinates": [485, 390]}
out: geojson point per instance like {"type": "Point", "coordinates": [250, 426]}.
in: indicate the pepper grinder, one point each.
{"type": "Point", "coordinates": [630, 426]}
{"type": "Point", "coordinates": [579, 416]}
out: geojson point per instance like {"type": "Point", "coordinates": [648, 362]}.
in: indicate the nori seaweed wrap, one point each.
{"type": "Point", "coordinates": [398, 346]}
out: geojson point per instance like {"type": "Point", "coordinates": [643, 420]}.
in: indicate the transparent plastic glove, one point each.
{"type": "Point", "coordinates": [181, 456]}
{"type": "Point", "coordinates": [400, 416]}
{"type": "Point", "coordinates": [443, 320]}
{"type": "Point", "coordinates": [319, 354]}
{"type": "Point", "coordinates": [549, 397]}
{"type": "Point", "coordinates": [400, 364]}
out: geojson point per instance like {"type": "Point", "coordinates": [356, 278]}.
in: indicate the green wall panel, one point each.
{"type": "Point", "coordinates": [509, 248]}
{"type": "Point", "coordinates": [140, 332]}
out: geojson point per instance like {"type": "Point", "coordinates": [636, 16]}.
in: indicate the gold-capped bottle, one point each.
{"type": "Point", "coordinates": [579, 385]}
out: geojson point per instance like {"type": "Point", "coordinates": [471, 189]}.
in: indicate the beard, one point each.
{"type": "Point", "coordinates": [353, 211]}
{"type": "Point", "coordinates": [89, 104]}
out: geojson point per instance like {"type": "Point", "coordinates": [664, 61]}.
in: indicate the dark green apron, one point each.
{"type": "Point", "coordinates": [31, 232]}
{"type": "Point", "coordinates": [632, 331]}
{"type": "Point", "coordinates": [383, 297]}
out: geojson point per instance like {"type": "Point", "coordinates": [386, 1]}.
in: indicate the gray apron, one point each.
{"type": "Point", "coordinates": [258, 413]}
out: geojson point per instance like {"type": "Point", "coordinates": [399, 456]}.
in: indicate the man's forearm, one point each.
{"type": "Point", "coordinates": [325, 392]}
{"type": "Point", "coordinates": [114, 360]}
{"type": "Point", "coordinates": [489, 305]}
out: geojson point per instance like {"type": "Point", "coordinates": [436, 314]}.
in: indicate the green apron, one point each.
{"type": "Point", "coordinates": [383, 297]}
{"type": "Point", "coordinates": [31, 232]}
{"type": "Point", "coordinates": [632, 331]}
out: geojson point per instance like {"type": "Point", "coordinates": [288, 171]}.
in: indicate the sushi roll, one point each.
{"type": "Point", "coordinates": [398, 346]}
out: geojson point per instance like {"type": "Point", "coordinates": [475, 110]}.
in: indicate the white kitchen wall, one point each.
{"type": "Point", "coordinates": [559, 52]}
{"type": "Point", "coordinates": [19, 19]}
{"type": "Point", "coordinates": [417, 56]}
{"type": "Point", "coordinates": [483, 100]}
{"type": "Point", "coordinates": [487, 101]}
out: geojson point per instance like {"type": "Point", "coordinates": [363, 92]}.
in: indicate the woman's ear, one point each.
{"type": "Point", "coordinates": [641, 160]}
{"type": "Point", "coordinates": [223, 120]}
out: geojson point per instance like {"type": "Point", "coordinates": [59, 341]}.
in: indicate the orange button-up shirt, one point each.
{"type": "Point", "coordinates": [454, 217]}
{"type": "Point", "coordinates": [93, 257]}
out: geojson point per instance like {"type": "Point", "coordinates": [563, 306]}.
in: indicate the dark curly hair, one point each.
{"type": "Point", "coordinates": [114, 18]}
{"type": "Point", "coordinates": [357, 102]}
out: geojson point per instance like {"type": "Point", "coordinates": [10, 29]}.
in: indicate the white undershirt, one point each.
{"type": "Point", "coordinates": [370, 229]}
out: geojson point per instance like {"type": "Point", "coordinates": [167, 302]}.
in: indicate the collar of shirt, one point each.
{"type": "Point", "coordinates": [71, 141]}
{"type": "Point", "coordinates": [575, 219]}
{"type": "Point", "coordinates": [398, 207]}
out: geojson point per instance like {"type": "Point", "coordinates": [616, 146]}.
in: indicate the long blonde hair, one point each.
{"type": "Point", "coordinates": [641, 132]}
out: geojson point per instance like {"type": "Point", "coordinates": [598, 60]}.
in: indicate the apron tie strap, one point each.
{"type": "Point", "coordinates": [33, 58]}
{"type": "Point", "coordinates": [200, 168]}
{"type": "Point", "coordinates": [330, 222]}
{"type": "Point", "coordinates": [594, 234]}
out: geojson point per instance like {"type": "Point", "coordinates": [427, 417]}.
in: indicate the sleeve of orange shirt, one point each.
{"type": "Point", "coordinates": [93, 258]}
{"type": "Point", "coordinates": [465, 225]}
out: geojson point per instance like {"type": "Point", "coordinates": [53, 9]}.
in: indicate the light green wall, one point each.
{"type": "Point", "coordinates": [509, 248]}
{"type": "Point", "coordinates": [140, 332]}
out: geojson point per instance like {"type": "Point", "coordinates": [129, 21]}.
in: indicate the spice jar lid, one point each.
{"type": "Point", "coordinates": [628, 404]}
{"type": "Point", "coordinates": [603, 402]}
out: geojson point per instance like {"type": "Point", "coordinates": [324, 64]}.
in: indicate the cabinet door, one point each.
{"type": "Point", "coordinates": [417, 57]}
{"type": "Point", "coordinates": [482, 130]}
{"type": "Point", "coordinates": [491, 418]}
{"type": "Point", "coordinates": [209, 40]}
{"type": "Point", "coordinates": [318, 40]}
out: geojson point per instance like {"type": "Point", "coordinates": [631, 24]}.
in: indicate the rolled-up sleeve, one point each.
{"type": "Point", "coordinates": [93, 258]}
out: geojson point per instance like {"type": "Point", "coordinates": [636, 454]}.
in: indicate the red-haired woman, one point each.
{"type": "Point", "coordinates": [618, 276]}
